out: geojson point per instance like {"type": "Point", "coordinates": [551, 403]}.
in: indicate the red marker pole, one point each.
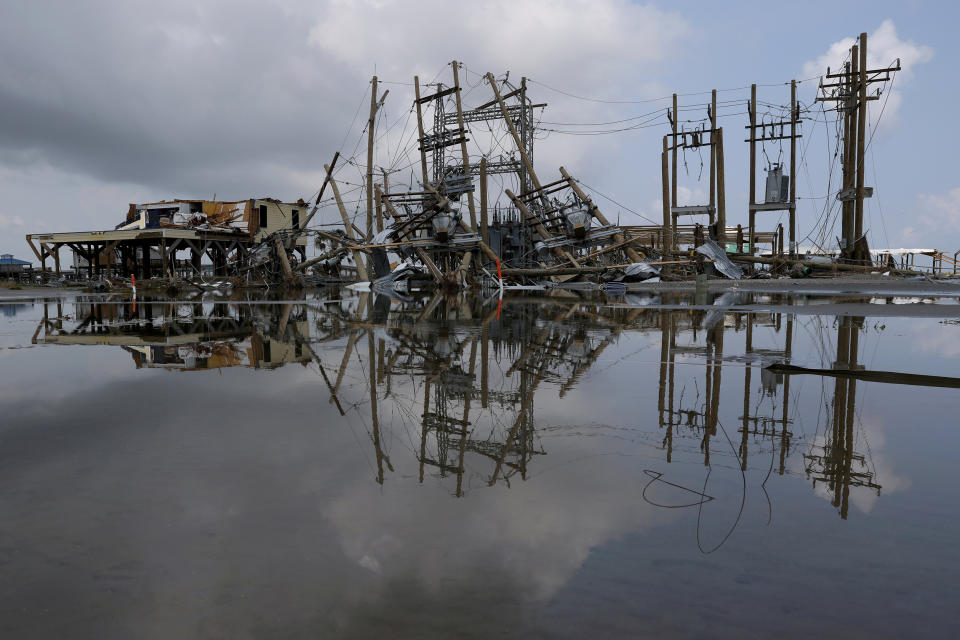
{"type": "Point", "coordinates": [500, 276]}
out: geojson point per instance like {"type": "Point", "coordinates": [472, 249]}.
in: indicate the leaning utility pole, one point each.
{"type": "Point", "coordinates": [484, 232]}
{"type": "Point", "coordinates": [347, 225]}
{"type": "Point", "coordinates": [527, 163]}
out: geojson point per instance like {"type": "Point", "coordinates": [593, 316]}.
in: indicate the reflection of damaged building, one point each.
{"type": "Point", "coordinates": [185, 336]}
{"type": "Point", "coordinates": [162, 238]}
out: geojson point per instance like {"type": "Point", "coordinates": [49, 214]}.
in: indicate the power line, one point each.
{"type": "Point", "coordinates": [616, 203]}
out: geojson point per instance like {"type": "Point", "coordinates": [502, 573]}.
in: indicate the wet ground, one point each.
{"type": "Point", "coordinates": [548, 465]}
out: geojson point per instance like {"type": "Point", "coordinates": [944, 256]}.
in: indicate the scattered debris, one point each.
{"type": "Point", "coordinates": [720, 260]}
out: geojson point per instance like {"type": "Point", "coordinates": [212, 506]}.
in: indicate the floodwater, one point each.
{"type": "Point", "coordinates": [547, 466]}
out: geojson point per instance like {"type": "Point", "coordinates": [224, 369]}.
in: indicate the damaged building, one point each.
{"type": "Point", "coordinates": [172, 238]}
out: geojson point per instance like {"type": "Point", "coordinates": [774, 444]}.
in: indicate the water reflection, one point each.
{"type": "Point", "coordinates": [565, 459]}
{"type": "Point", "coordinates": [835, 463]}
{"type": "Point", "coordinates": [183, 336]}
{"type": "Point", "coordinates": [461, 373]}
{"type": "Point", "coordinates": [9, 310]}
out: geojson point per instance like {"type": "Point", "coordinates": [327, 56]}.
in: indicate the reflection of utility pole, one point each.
{"type": "Point", "coordinates": [784, 436]}
{"type": "Point", "coordinates": [425, 428]}
{"type": "Point", "coordinates": [466, 419]}
{"type": "Point", "coordinates": [672, 417]}
{"type": "Point", "coordinates": [835, 465]}
{"type": "Point", "coordinates": [667, 360]}
{"type": "Point", "coordinates": [527, 392]}
{"type": "Point", "coordinates": [661, 397]}
{"type": "Point", "coordinates": [763, 426]}
{"type": "Point", "coordinates": [714, 368]}
{"type": "Point", "coordinates": [371, 359]}
{"type": "Point", "coordinates": [747, 371]}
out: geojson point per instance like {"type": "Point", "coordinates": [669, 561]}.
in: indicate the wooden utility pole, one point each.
{"type": "Point", "coordinates": [537, 226]}
{"type": "Point", "coordinates": [370, 128]}
{"type": "Point", "coordinates": [753, 164]}
{"type": "Point", "coordinates": [378, 197]}
{"type": "Point", "coordinates": [484, 234]}
{"type": "Point", "coordinates": [850, 93]}
{"type": "Point", "coordinates": [374, 107]}
{"type": "Point", "coordinates": [380, 192]}
{"type": "Point", "coordinates": [326, 179]}
{"type": "Point", "coordinates": [773, 131]}
{"type": "Point", "coordinates": [694, 140]}
{"type": "Point", "coordinates": [849, 161]}
{"type": "Point", "coordinates": [595, 211]}
{"type": "Point", "coordinates": [861, 131]}
{"type": "Point", "coordinates": [284, 262]}
{"type": "Point", "coordinates": [513, 131]}
{"type": "Point", "coordinates": [348, 227]}
{"type": "Point", "coordinates": [713, 148]}
{"type": "Point", "coordinates": [793, 168]}
{"type": "Point", "coordinates": [721, 191]}
{"type": "Point", "coordinates": [423, 152]}
{"type": "Point", "coordinates": [463, 142]}
{"type": "Point", "coordinates": [665, 176]}
{"type": "Point", "coordinates": [673, 166]}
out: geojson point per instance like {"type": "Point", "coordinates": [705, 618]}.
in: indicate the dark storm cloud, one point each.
{"type": "Point", "coordinates": [173, 97]}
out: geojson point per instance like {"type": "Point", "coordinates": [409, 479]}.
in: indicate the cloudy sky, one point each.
{"type": "Point", "coordinates": [109, 103]}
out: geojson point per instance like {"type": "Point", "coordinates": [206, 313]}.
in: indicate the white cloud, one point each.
{"type": "Point", "coordinates": [587, 42]}
{"type": "Point", "coordinates": [941, 211]}
{"type": "Point", "coordinates": [602, 47]}
{"type": "Point", "coordinates": [8, 221]}
{"type": "Point", "coordinates": [884, 47]}
{"type": "Point", "coordinates": [687, 197]}
{"type": "Point", "coordinates": [942, 342]}
{"type": "Point", "coordinates": [935, 217]}
{"type": "Point", "coordinates": [30, 205]}
{"type": "Point", "coordinates": [870, 440]}
{"type": "Point", "coordinates": [253, 101]}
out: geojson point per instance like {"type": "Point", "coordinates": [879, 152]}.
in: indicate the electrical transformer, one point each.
{"type": "Point", "coordinates": [778, 185]}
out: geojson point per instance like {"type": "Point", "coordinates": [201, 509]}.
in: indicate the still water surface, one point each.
{"type": "Point", "coordinates": [559, 466]}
